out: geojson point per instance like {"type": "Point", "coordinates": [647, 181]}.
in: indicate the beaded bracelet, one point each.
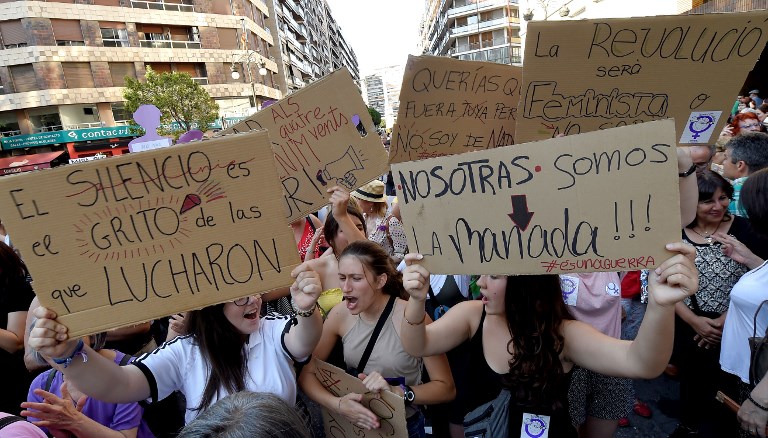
{"type": "Point", "coordinates": [304, 313]}
{"type": "Point", "coordinates": [749, 397]}
{"type": "Point", "coordinates": [78, 351]}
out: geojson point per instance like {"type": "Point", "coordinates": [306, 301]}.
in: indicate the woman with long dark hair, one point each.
{"type": "Point", "coordinates": [523, 338]}
{"type": "Point", "coordinates": [16, 294]}
{"type": "Point", "coordinates": [699, 318]}
{"type": "Point", "coordinates": [228, 348]}
{"type": "Point", "coordinates": [372, 290]}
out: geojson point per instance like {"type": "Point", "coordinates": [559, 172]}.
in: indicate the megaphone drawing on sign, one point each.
{"type": "Point", "coordinates": [342, 170]}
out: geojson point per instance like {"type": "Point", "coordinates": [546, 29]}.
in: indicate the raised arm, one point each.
{"type": "Point", "coordinates": [443, 335]}
{"type": "Point", "coordinates": [648, 354]}
{"type": "Point", "coordinates": [303, 338]}
{"type": "Point", "coordinates": [689, 190]}
{"type": "Point", "coordinates": [100, 377]}
{"type": "Point", "coordinates": [339, 200]}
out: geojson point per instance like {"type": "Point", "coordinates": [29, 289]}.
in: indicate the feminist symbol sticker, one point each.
{"type": "Point", "coordinates": [700, 126]}
{"type": "Point", "coordinates": [535, 426]}
{"type": "Point", "coordinates": [570, 288]}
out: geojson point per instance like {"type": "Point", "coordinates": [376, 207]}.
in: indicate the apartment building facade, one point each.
{"type": "Point", "coordinates": [382, 91]}
{"type": "Point", "coordinates": [63, 64]}
{"type": "Point", "coordinates": [311, 42]}
{"type": "Point", "coordinates": [374, 93]}
{"type": "Point", "coordinates": [477, 30]}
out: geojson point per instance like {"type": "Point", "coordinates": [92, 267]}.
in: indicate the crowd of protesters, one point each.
{"type": "Point", "coordinates": [563, 349]}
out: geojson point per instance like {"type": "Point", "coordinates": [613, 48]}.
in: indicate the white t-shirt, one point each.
{"type": "Point", "coordinates": [178, 365]}
{"type": "Point", "coordinates": [746, 296]}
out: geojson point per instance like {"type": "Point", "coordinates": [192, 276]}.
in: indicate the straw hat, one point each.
{"type": "Point", "coordinates": [371, 192]}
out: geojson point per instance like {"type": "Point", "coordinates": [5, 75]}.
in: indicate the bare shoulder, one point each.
{"type": "Point", "coordinates": [339, 320]}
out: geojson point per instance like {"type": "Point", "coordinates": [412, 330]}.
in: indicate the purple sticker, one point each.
{"type": "Point", "coordinates": [355, 120]}
{"type": "Point", "coordinates": [148, 117]}
{"type": "Point", "coordinates": [192, 135]}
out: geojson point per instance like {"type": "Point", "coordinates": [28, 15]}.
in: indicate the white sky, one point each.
{"type": "Point", "coordinates": [382, 33]}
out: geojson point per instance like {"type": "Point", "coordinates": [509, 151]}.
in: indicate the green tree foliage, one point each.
{"type": "Point", "coordinates": [177, 96]}
{"type": "Point", "coordinates": [375, 115]}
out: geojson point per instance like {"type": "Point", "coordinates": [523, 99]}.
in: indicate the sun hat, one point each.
{"type": "Point", "coordinates": [755, 91]}
{"type": "Point", "coordinates": [371, 192]}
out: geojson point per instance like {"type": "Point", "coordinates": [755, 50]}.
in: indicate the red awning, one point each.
{"type": "Point", "coordinates": [25, 163]}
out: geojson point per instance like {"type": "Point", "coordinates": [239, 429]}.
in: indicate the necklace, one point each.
{"type": "Point", "coordinates": [707, 235]}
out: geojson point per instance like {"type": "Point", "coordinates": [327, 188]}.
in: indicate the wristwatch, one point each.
{"type": "Point", "coordinates": [688, 172]}
{"type": "Point", "coordinates": [408, 394]}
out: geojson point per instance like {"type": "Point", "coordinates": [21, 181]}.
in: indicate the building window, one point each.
{"type": "Point", "coordinates": [70, 43]}
{"type": "Point", "coordinates": [115, 37]}
{"type": "Point", "coordinates": [119, 71]}
{"type": "Point", "coordinates": [78, 74]}
{"type": "Point", "coordinates": [67, 32]}
{"type": "Point", "coordinates": [119, 112]}
{"type": "Point", "coordinates": [13, 34]}
{"type": "Point", "coordinates": [23, 77]}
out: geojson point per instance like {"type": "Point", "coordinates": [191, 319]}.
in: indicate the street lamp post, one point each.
{"type": "Point", "coordinates": [246, 60]}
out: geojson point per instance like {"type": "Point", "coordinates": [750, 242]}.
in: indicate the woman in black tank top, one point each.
{"type": "Point", "coordinates": [524, 339]}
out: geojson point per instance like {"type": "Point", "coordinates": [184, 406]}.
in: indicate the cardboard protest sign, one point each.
{"type": "Point", "coordinates": [322, 136]}
{"type": "Point", "coordinates": [587, 75]}
{"type": "Point", "coordinates": [387, 406]}
{"type": "Point", "coordinates": [140, 236]}
{"type": "Point", "coordinates": [450, 106]}
{"type": "Point", "coordinates": [601, 201]}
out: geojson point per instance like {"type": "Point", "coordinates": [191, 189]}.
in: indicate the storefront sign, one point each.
{"type": "Point", "coordinates": [69, 136]}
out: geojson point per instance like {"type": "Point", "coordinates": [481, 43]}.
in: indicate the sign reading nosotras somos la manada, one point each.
{"type": "Point", "coordinates": [600, 201]}
{"type": "Point", "coordinates": [588, 75]}
{"type": "Point", "coordinates": [120, 241]}
{"type": "Point", "coordinates": [322, 136]}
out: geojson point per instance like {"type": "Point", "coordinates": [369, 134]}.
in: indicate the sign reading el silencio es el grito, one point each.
{"type": "Point", "coordinates": [322, 136]}
{"type": "Point", "coordinates": [449, 106]}
{"type": "Point", "coordinates": [132, 238]}
{"type": "Point", "coordinates": [390, 408]}
{"type": "Point", "coordinates": [600, 201]}
{"type": "Point", "coordinates": [588, 75]}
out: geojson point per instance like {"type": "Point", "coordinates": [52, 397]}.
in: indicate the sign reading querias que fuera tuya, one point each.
{"type": "Point", "coordinates": [450, 106]}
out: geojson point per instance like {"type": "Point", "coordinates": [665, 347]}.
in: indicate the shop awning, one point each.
{"type": "Point", "coordinates": [25, 163]}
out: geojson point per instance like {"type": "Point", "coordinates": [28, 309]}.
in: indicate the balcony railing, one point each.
{"type": "Point", "coordinates": [201, 81]}
{"type": "Point", "coordinates": [476, 27]}
{"type": "Point", "coordinates": [10, 133]}
{"type": "Point", "coordinates": [169, 44]}
{"type": "Point", "coordinates": [484, 44]}
{"type": "Point", "coordinates": [84, 125]}
{"type": "Point", "coordinates": [48, 128]}
{"type": "Point", "coordinates": [480, 6]}
{"type": "Point", "coordinates": [184, 6]}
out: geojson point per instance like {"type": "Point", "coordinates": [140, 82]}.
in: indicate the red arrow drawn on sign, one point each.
{"type": "Point", "coordinates": [520, 214]}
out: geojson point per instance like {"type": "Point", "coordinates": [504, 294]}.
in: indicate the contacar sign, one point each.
{"type": "Point", "coordinates": [74, 135]}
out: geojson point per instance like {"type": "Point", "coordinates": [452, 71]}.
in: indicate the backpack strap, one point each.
{"type": "Point", "coordinates": [311, 224]}
{"type": "Point", "coordinates": [49, 380]}
{"type": "Point", "coordinates": [125, 360]}
{"type": "Point", "coordinates": [5, 421]}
